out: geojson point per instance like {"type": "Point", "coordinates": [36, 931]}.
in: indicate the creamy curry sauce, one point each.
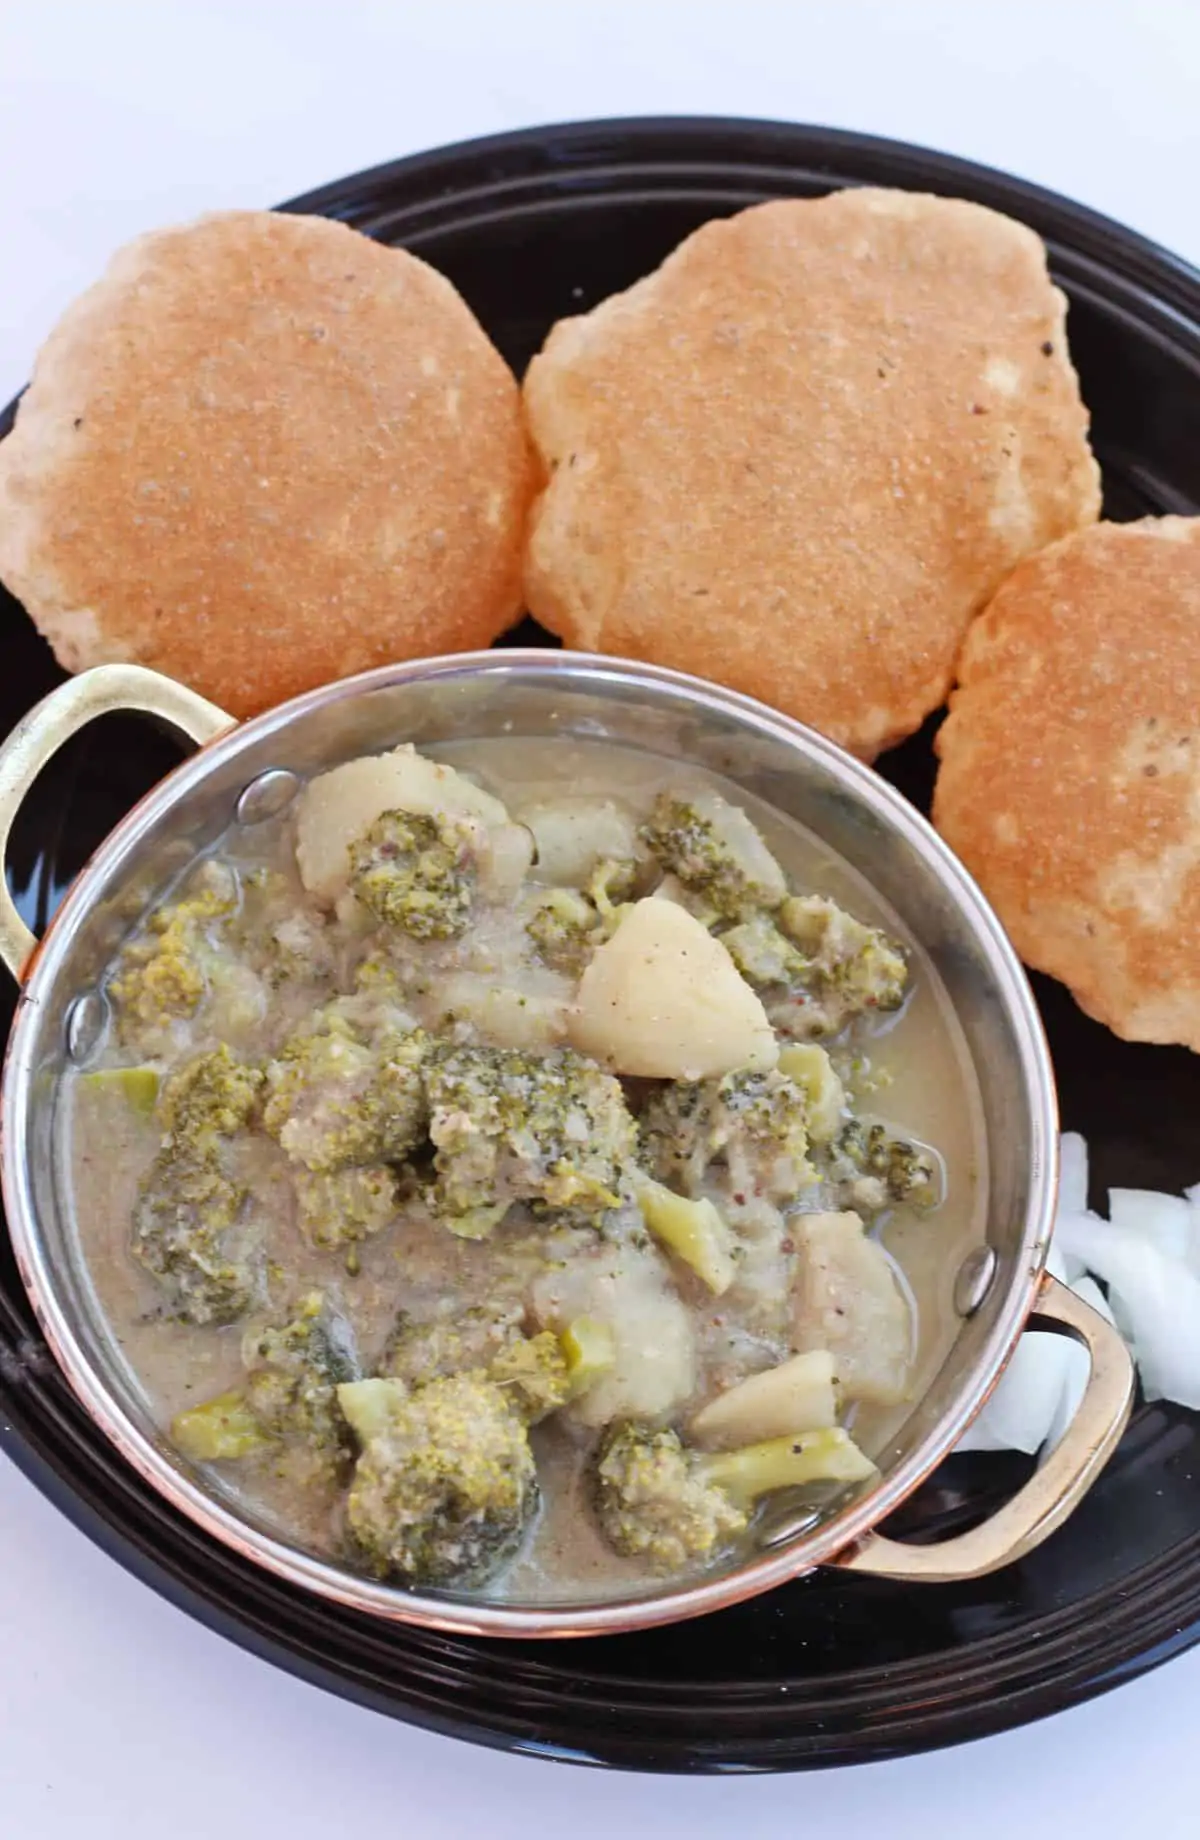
{"type": "Point", "coordinates": [909, 1068]}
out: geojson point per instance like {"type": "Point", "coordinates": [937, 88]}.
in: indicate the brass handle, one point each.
{"type": "Point", "coordinates": [1059, 1484]}
{"type": "Point", "coordinates": [106, 690]}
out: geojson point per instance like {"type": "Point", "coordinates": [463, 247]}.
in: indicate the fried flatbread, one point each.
{"type": "Point", "coordinates": [801, 455]}
{"type": "Point", "coordinates": [263, 452]}
{"type": "Point", "coordinates": [1070, 770]}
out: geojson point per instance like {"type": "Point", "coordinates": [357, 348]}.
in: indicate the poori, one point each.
{"type": "Point", "coordinates": [802, 455]}
{"type": "Point", "coordinates": [1069, 781]}
{"type": "Point", "coordinates": [263, 452]}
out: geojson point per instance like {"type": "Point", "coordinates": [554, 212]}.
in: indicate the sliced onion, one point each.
{"type": "Point", "coordinates": [1023, 1408]}
{"type": "Point", "coordinates": [1072, 1173]}
{"type": "Point", "coordinates": [1164, 1221]}
{"type": "Point", "coordinates": [1148, 1254]}
{"type": "Point", "coordinates": [1156, 1297]}
{"type": "Point", "coordinates": [1060, 1263]}
{"type": "Point", "coordinates": [1193, 1200]}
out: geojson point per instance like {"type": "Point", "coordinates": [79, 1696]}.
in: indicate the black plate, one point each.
{"type": "Point", "coordinates": [531, 226]}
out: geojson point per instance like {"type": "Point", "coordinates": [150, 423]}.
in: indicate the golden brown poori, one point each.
{"type": "Point", "coordinates": [1070, 770]}
{"type": "Point", "coordinates": [801, 455]}
{"type": "Point", "coordinates": [263, 452]}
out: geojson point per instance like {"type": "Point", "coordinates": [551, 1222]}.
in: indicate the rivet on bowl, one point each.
{"type": "Point", "coordinates": [784, 1527]}
{"type": "Point", "coordinates": [266, 796]}
{"type": "Point", "coordinates": [974, 1280]}
{"type": "Point", "coordinates": [87, 1019]}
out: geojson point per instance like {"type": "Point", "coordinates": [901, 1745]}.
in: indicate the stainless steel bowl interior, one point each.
{"type": "Point", "coordinates": [545, 693]}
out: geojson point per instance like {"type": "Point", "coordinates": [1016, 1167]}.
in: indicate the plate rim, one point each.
{"type": "Point", "coordinates": [1158, 1620]}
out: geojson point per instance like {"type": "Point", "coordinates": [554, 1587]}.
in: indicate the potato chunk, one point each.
{"type": "Point", "coordinates": [573, 834]}
{"type": "Point", "coordinates": [798, 1395]}
{"type": "Point", "coordinates": [664, 1000]}
{"type": "Point", "coordinates": [501, 1014]}
{"type": "Point", "coordinates": [847, 1300]}
{"type": "Point", "coordinates": [339, 807]}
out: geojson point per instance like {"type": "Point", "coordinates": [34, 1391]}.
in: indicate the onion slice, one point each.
{"type": "Point", "coordinates": [1155, 1299]}
{"type": "Point", "coordinates": [1147, 1253]}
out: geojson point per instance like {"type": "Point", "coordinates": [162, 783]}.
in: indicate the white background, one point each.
{"type": "Point", "coordinates": [118, 1717]}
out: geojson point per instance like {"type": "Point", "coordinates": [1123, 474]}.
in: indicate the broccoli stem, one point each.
{"type": "Point", "coordinates": [810, 1068]}
{"type": "Point", "coordinates": [693, 1230]}
{"type": "Point", "coordinates": [137, 1086]}
{"type": "Point", "coordinates": [784, 1462]}
{"type": "Point", "coordinates": [477, 1222]}
{"type": "Point", "coordinates": [369, 1405]}
{"type": "Point", "coordinates": [219, 1431]}
{"type": "Point", "coordinates": [590, 1348]}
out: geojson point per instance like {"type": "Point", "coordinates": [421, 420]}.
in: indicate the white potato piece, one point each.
{"type": "Point", "coordinates": [629, 1291]}
{"type": "Point", "coordinates": [509, 854]}
{"type": "Point", "coordinates": [664, 1000]}
{"type": "Point", "coordinates": [337, 807]}
{"type": "Point", "coordinates": [503, 1015]}
{"type": "Point", "coordinates": [572, 835]}
{"type": "Point", "coordinates": [798, 1395]}
{"type": "Point", "coordinates": [847, 1301]}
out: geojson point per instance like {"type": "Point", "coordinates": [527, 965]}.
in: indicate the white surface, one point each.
{"type": "Point", "coordinates": [118, 1717]}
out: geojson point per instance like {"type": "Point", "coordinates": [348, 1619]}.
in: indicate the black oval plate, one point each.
{"type": "Point", "coordinates": [832, 1669]}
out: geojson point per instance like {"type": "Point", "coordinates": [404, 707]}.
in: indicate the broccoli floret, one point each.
{"type": "Point", "coordinates": [157, 979]}
{"type": "Point", "coordinates": [537, 1372]}
{"type": "Point", "coordinates": [378, 975]}
{"type": "Point", "coordinates": [714, 850]}
{"type": "Point", "coordinates": [610, 884]}
{"type": "Point", "coordinates": [854, 967]}
{"type": "Point", "coordinates": [183, 1214]}
{"type": "Point", "coordinates": [334, 1101]}
{"type": "Point", "coordinates": [657, 1500]}
{"type": "Point", "coordinates": [533, 1371]}
{"type": "Point", "coordinates": [341, 1206]}
{"type": "Point", "coordinates": [451, 1342]}
{"type": "Point", "coordinates": [880, 1168]}
{"type": "Point", "coordinates": [160, 975]}
{"type": "Point", "coordinates": [289, 1403]}
{"type": "Point", "coordinates": [445, 1489]}
{"type": "Point", "coordinates": [552, 1129]}
{"type": "Point", "coordinates": [823, 966]}
{"type": "Point", "coordinates": [283, 942]}
{"type": "Point", "coordinates": [209, 1098]}
{"type": "Point", "coordinates": [565, 930]}
{"type": "Point", "coordinates": [764, 956]}
{"type": "Point", "coordinates": [654, 1502]}
{"type": "Point", "coordinates": [753, 1124]}
{"type": "Point", "coordinates": [417, 872]}
{"type": "Point", "coordinates": [293, 1373]}
{"type": "Point", "coordinates": [188, 1201]}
